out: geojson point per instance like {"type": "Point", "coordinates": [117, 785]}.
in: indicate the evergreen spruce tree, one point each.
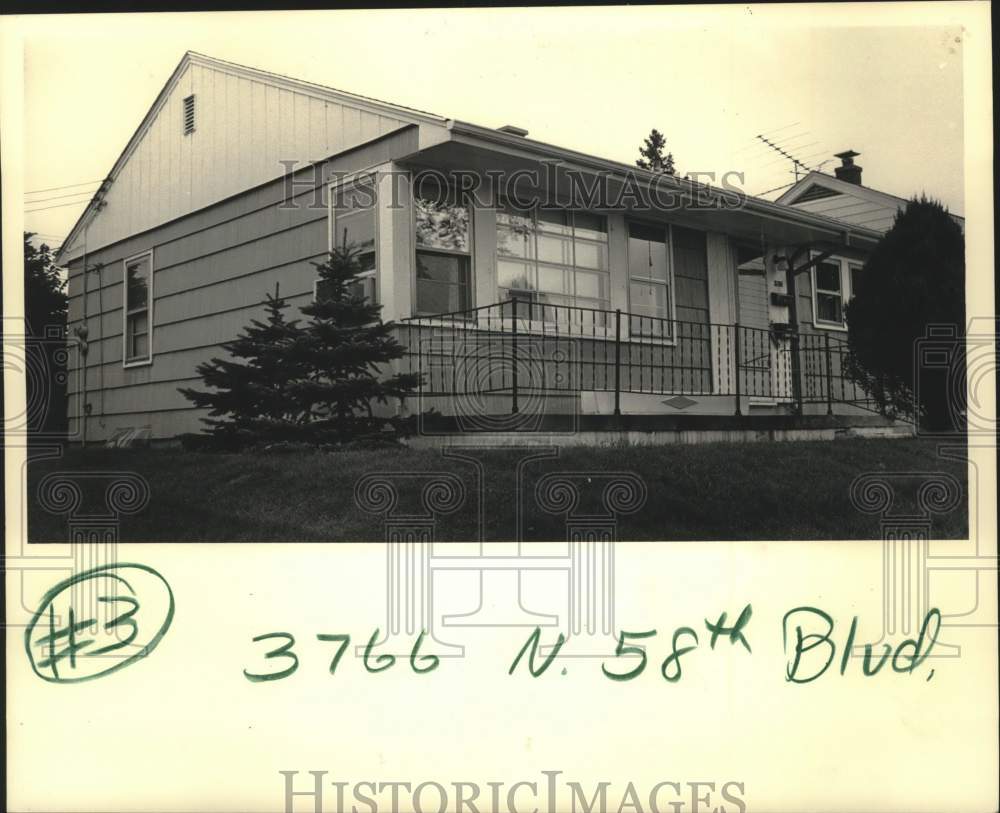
{"type": "Point", "coordinates": [347, 350]}
{"type": "Point", "coordinates": [250, 401]}
{"type": "Point", "coordinates": [652, 157]}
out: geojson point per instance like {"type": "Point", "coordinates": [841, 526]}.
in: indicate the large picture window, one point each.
{"type": "Point", "coordinates": [556, 261]}
{"type": "Point", "coordinates": [649, 281]}
{"type": "Point", "coordinates": [829, 293]}
{"type": "Point", "coordinates": [137, 306]}
{"type": "Point", "coordinates": [353, 214]}
{"type": "Point", "coordinates": [443, 249]}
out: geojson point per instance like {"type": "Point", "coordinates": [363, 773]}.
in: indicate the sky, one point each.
{"type": "Point", "coordinates": [592, 79]}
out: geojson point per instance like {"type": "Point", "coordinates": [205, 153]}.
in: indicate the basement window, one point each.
{"type": "Point", "coordinates": [138, 311]}
{"type": "Point", "coordinates": [189, 115]}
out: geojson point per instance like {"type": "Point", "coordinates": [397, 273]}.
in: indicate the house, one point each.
{"type": "Point", "coordinates": [843, 197]}
{"type": "Point", "coordinates": [515, 286]}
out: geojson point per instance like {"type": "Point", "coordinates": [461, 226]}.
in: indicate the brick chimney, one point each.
{"type": "Point", "coordinates": [848, 171]}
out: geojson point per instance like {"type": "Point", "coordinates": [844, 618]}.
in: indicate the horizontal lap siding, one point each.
{"type": "Point", "coordinates": [211, 273]}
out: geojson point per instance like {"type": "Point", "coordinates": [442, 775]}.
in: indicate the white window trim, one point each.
{"type": "Point", "coordinates": [850, 277]}
{"type": "Point", "coordinates": [416, 248]}
{"type": "Point", "coordinates": [818, 323]}
{"type": "Point", "coordinates": [670, 341]}
{"type": "Point", "coordinates": [331, 189]}
{"type": "Point", "coordinates": [149, 311]}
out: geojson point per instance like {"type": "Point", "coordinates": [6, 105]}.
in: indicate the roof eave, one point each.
{"type": "Point", "coordinates": [759, 206]}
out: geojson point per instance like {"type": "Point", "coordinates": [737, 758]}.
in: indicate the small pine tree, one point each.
{"type": "Point", "coordinates": [652, 157]}
{"type": "Point", "coordinates": [345, 347]}
{"type": "Point", "coordinates": [250, 400]}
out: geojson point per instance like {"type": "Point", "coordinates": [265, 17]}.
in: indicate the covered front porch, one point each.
{"type": "Point", "coordinates": [522, 357]}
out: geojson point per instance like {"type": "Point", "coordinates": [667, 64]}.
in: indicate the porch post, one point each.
{"type": "Point", "coordinates": [513, 355]}
{"type": "Point", "coordinates": [618, 362]}
{"type": "Point", "coordinates": [793, 318]}
{"type": "Point", "coordinates": [737, 357]}
{"type": "Point", "coordinates": [829, 376]}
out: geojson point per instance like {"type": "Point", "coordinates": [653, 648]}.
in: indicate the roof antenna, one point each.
{"type": "Point", "coordinates": [796, 163]}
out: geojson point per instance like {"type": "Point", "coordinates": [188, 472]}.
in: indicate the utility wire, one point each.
{"type": "Point", "coordinates": [58, 197]}
{"type": "Point", "coordinates": [769, 191]}
{"type": "Point", "coordinates": [67, 186]}
{"type": "Point", "coordinates": [56, 206]}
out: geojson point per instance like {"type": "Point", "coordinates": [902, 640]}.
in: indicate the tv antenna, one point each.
{"type": "Point", "coordinates": [796, 163]}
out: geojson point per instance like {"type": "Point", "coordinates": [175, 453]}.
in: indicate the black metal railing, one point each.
{"type": "Point", "coordinates": [506, 350]}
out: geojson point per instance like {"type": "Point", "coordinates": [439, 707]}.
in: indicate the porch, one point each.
{"type": "Point", "coordinates": [517, 362]}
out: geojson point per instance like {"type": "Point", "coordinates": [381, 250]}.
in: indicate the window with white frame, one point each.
{"type": "Point", "coordinates": [556, 261]}
{"type": "Point", "coordinates": [855, 274]}
{"type": "Point", "coordinates": [649, 280]}
{"type": "Point", "coordinates": [353, 214]}
{"type": "Point", "coordinates": [137, 307]}
{"type": "Point", "coordinates": [829, 297]}
{"type": "Point", "coordinates": [443, 231]}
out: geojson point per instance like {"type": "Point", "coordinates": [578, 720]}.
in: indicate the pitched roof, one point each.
{"type": "Point", "coordinates": [275, 79]}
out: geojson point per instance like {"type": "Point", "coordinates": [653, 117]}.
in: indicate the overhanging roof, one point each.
{"type": "Point", "coordinates": [471, 145]}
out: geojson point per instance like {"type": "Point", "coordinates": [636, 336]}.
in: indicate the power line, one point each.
{"type": "Point", "coordinates": [67, 186]}
{"type": "Point", "coordinates": [769, 191]}
{"type": "Point", "coordinates": [55, 206]}
{"type": "Point", "coordinates": [58, 197]}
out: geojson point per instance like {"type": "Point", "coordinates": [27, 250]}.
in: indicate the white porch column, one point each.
{"type": "Point", "coordinates": [484, 248]}
{"type": "Point", "coordinates": [618, 261]}
{"type": "Point", "coordinates": [721, 309]}
{"type": "Point", "coordinates": [395, 243]}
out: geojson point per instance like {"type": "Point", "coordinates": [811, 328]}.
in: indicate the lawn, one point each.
{"type": "Point", "coordinates": [713, 491]}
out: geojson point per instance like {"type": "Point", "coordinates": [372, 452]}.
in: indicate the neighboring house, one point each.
{"type": "Point", "coordinates": [238, 180]}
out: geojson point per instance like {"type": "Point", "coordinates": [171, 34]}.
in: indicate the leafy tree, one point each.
{"type": "Point", "coordinates": [45, 314]}
{"type": "Point", "coordinates": [249, 402]}
{"type": "Point", "coordinates": [652, 157]}
{"type": "Point", "coordinates": [345, 346]}
{"type": "Point", "coordinates": [913, 279]}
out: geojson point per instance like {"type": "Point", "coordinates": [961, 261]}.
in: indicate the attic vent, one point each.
{"type": "Point", "coordinates": [816, 192]}
{"type": "Point", "coordinates": [189, 115]}
{"type": "Point", "coordinates": [510, 129]}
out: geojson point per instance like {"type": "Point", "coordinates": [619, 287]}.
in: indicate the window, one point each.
{"type": "Point", "coordinates": [444, 250]}
{"type": "Point", "coordinates": [353, 223]}
{"type": "Point", "coordinates": [189, 115]}
{"type": "Point", "coordinates": [557, 262]}
{"type": "Point", "coordinates": [649, 281]}
{"type": "Point", "coordinates": [829, 293]}
{"type": "Point", "coordinates": [855, 279]}
{"type": "Point", "coordinates": [138, 298]}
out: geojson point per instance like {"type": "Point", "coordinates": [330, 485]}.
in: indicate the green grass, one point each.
{"type": "Point", "coordinates": [713, 491]}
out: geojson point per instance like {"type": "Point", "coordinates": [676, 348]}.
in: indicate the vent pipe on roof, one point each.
{"type": "Point", "coordinates": [510, 129]}
{"type": "Point", "coordinates": [848, 171]}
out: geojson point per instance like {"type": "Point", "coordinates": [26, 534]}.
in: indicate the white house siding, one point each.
{"type": "Point", "coordinates": [853, 210]}
{"type": "Point", "coordinates": [244, 128]}
{"type": "Point", "coordinates": [211, 272]}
